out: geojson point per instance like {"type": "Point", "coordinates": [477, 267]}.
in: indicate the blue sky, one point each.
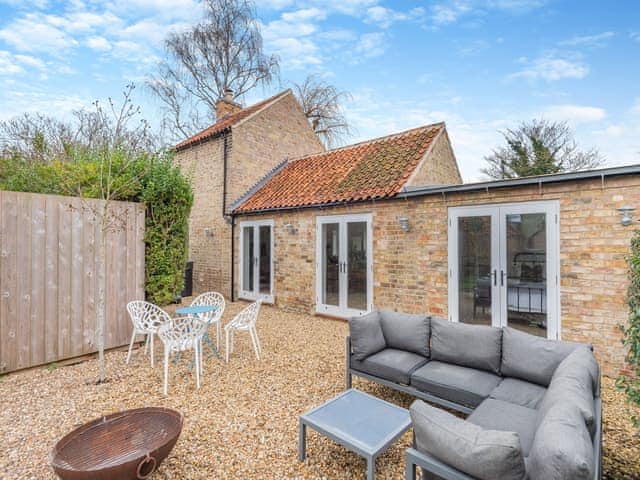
{"type": "Point", "coordinates": [480, 66]}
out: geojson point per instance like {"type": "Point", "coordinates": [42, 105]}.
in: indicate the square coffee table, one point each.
{"type": "Point", "coordinates": [358, 421]}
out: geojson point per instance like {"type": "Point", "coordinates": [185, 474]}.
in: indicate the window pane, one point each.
{"type": "Point", "coordinates": [330, 264]}
{"type": "Point", "coordinates": [265, 260]}
{"type": "Point", "coordinates": [247, 259]}
{"type": "Point", "coordinates": [474, 270]}
{"type": "Point", "coordinates": [527, 272]}
{"type": "Point", "coordinates": [357, 265]}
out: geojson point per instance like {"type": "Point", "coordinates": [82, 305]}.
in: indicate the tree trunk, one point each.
{"type": "Point", "coordinates": [100, 308]}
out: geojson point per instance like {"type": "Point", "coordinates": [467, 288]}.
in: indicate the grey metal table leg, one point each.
{"type": "Point", "coordinates": [371, 468]}
{"type": "Point", "coordinates": [302, 442]}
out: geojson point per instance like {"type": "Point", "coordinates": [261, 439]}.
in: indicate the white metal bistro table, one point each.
{"type": "Point", "coordinates": [359, 422]}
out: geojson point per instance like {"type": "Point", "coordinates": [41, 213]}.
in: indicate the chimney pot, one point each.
{"type": "Point", "coordinates": [226, 105]}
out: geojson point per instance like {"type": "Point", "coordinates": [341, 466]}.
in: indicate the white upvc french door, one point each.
{"type": "Point", "coordinates": [344, 265]}
{"type": "Point", "coordinates": [256, 260]}
{"type": "Point", "coordinates": [504, 266]}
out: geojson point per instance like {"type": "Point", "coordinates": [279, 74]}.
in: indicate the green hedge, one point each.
{"type": "Point", "coordinates": [631, 332]}
{"type": "Point", "coordinates": [152, 179]}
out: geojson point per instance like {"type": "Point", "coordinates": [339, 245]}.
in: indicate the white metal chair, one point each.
{"type": "Point", "coordinates": [217, 300]}
{"type": "Point", "coordinates": [146, 318]}
{"type": "Point", "coordinates": [244, 321]}
{"type": "Point", "coordinates": [178, 335]}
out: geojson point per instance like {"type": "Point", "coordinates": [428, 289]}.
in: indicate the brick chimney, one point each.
{"type": "Point", "coordinates": [226, 106]}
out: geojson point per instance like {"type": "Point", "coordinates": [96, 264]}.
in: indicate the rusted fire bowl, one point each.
{"type": "Point", "coordinates": [128, 445]}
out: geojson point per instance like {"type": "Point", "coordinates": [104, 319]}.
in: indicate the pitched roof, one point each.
{"type": "Point", "coordinates": [228, 121]}
{"type": "Point", "coordinates": [374, 169]}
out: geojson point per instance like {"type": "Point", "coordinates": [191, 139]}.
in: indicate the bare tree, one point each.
{"type": "Point", "coordinates": [537, 148]}
{"type": "Point", "coordinates": [41, 138]}
{"type": "Point", "coordinates": [223, 51]}
{"type": "Point", "coordinates": [321, 103]}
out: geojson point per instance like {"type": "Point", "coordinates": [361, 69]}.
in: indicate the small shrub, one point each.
{"type": "Point", "coordinates": [630, 384]}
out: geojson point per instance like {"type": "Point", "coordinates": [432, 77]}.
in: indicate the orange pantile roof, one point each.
{"type": "Point", "coordinates": [374, 169]}
{"type": "Point", "coordinates": [228, 121]}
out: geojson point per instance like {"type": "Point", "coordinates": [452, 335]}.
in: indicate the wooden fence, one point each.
{"type": "Point", "coordinates": [49, 259]}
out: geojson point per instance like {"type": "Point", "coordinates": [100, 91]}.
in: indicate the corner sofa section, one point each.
{"type": "Point", "coordinates": [534, 404]}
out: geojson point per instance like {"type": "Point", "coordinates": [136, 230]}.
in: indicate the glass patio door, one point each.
{"type": "Point", "coordinates": [256, 260]}
{"type": "Point", "coordinates": [344, 265]}
{"type": "Point", "coordinates": [503, 266]}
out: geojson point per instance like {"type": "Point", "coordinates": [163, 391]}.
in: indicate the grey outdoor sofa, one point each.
{"type": "Point", "coordinates": [534, 404]}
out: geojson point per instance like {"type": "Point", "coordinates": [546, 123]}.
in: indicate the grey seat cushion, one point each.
{"type": "Point", "coordinates": [499, 415]}
{"type": "Point", "coordinates": [483, 454]}
{"type": "Point", "coordinates": [474, 346]}
{"type": "Point", "coordinates": [406, 331]}
{"type": "Point", "coordinates": [562, 447]}
{"type": "Point", "coordinates": [391, 364]}
{"type": "Point", "coordinates": [366, 335]}
{"type": "Point", "coordinates": [519, 392]}
{"type": "Point", "coordinates": [573, 383]}
{"type": "Point", "coordinates": [461, 385]}
{"type": "Point", "coordinates": [530, 357]}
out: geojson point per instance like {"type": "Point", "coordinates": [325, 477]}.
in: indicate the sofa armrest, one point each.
{"type": "Point", "coordinates": [432, 465]}
{"type": "Point", "coordinates": [347, 362]}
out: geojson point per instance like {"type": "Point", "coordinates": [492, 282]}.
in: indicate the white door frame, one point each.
{"type": "Point", "coordinates": [254, 294]}
{"type": "Point", "coordinates": [342, 220]}
{"type": "Point", "coordinates": [498, 213]}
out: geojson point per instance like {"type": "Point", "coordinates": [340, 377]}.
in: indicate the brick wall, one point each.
{"type": "Point", "coordinates": [410, 268]}
{"type": "Point", "coordinates": [254, 147]}
{"type": "Point", "coordinates": [204, 166]}
{"type": "Point", "coordinates": [266, 139]}
{"type": "Point", "coordinates": [439, 166]}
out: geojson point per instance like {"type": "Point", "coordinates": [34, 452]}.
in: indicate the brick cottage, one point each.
{"type": "Point", "coordinates": [388, 223]}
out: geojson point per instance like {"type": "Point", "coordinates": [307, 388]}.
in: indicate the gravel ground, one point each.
{"type": "Point", "coordinates": [243, 422]}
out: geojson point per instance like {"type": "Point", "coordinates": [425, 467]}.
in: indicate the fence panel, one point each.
{"type": "Point", "coordinates": [49, 261]}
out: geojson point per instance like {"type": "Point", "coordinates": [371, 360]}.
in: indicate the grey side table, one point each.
{"type": "Point", "coordinates": [359, 422]}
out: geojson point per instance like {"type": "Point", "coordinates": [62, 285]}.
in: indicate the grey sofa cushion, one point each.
{"type": "Point", "coordinates": [498, 415]}
{"type": "Point", "coordinates": [483, 454]}
{"type": "Point", "coordinates": [366, 335]}
{"type": "Point", "coordinates": [474, 346]}
{"type": "Point", "coordinates": [562, 447]}
{"type": "Point", "coordinates": [573, 383]}
{"type": "Point", "coordinates": [391, 364]}
{"type": "Point", "coordinates": [406, 331]}
{"type": "Point", "coordinates": [530, 357]}
{"type": "Point", "coordinates": [462, 385]}
{"type": "Point", "coordinates": [519, 392]}
{"type": "Point", "coordinates": [582, 365]}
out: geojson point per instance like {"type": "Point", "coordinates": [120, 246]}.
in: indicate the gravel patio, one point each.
{"type": "Point", "coordinates": [243, 422]}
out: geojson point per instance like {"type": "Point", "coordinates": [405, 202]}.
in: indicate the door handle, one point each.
{"type": "Point", "coordinates": [495, 278]}
{"type": "Point", "coordinates": [502, 278]}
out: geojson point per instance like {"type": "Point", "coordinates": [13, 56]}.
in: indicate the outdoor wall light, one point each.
{"type": "Point", "coordinates": [290, 228]}
{"type": "Point", "coordinates": [208, 232]}
{"type": "Point", "coordinates": [626, 215]}
{"type": "Point", "coordinates": [404, 223]}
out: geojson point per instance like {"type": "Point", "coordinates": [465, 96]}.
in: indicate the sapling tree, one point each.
{"type": "Point", "coordinates": [119, 170]}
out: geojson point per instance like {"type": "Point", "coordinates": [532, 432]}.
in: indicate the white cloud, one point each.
{"type": "Point", "coordinates": [98, 43]}
{"type": "Point", "coordinates": [450, 11]}
{"type": "Point", "coordinates": [611, 131]}
{"type": "Point", "coordinates": [37, 33]}
{"type": "Point", "coordinates": [597, 40]}
{"type": "Point", "coordinates": [551, 68]}
{"type": "Point", "coordinates": [575, 114]}
{"type": "Point", "coordinates": [370, 45]}
{"type": "Point", "coordinates": [13, 64]}
{"type": "Point", "coordinates": [385, 17]}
